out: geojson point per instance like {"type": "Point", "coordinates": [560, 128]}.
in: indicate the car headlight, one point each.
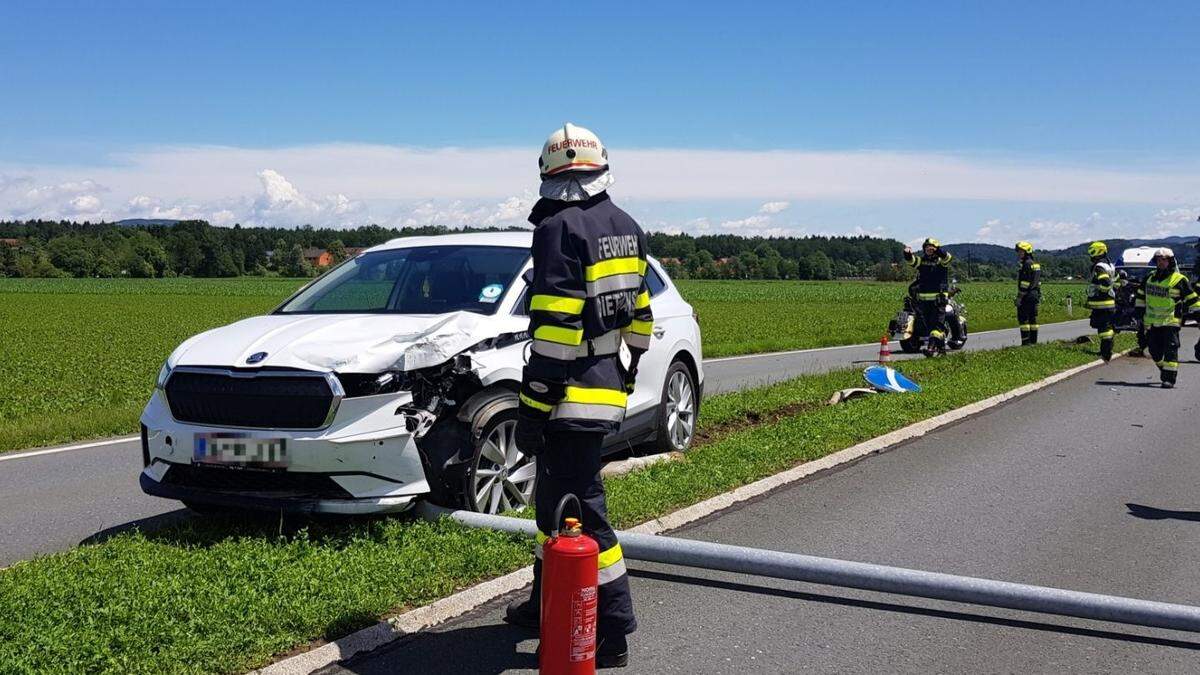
{"type": "Point", "coordinates": [163, 374]}
{"type": "Point", "coordinates": [370, 384]}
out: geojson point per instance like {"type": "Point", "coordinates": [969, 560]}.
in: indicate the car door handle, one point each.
{"type": "Point", "coordinates": [659, 331]}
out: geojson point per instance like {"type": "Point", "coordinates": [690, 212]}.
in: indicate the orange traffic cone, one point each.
{"type": "Point", "coordinates": [885, 352]}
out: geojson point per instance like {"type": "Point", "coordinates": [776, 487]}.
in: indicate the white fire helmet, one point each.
{"type": "Point", "coordinates": [572, 148]}
{"type": "Point", "coordinates": [1164, 252]}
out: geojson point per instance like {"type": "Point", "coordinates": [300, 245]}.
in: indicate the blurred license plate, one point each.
{"type": "Point", "coordinates": [240, 449]}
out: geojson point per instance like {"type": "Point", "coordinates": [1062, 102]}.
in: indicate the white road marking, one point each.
{"type": "Point", "coordinates": [68, 448]}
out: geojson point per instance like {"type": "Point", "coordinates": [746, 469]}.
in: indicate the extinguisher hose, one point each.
{"type": "Point", "coordinates": [558, 512]}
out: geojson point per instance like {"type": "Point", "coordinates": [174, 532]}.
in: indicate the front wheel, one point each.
{"type": "Point", "coordinates": [677, 411]}
{"type": "Point", "coordinates": [499, 477]}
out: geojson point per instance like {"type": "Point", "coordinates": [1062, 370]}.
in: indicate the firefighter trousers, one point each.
{"type": "Point", "coordinates": [933, 314]}
{"type": "Point", "coordinates": [571, 464]}
{"type": "Point", "coordinates": [1027, 318]}
{"type": "Point", "coordinates": [1164, 349]}
{"type": "Point", "coordinates": [1103, 321]}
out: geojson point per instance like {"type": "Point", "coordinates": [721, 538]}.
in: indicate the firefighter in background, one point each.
{"type": "Point", "coordinates": [1029, 293]}
{"type": "Point", "coordinates": [1168, 296]}
{"type": "Point", "coordinates": [588, 296]}
{"type": "Point", "coordinates": [932, 285]}
{"type": "Point", "coordinates": [1101, 298]}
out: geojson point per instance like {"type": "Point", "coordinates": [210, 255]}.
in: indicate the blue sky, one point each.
{"type": "Point", "coordinates": [997, 121]}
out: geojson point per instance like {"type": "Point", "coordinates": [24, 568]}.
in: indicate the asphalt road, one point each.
{"type": "Point", "coordinates": [55, 501]}
{"type": "Point", "coordinates": [1092, 484]}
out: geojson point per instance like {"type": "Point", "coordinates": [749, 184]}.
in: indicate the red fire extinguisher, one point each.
{"type": "Point", "coordinates": [569, 585]}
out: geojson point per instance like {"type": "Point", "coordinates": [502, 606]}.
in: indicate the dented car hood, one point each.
{"type": "Point", "coordinates": [350, 343]}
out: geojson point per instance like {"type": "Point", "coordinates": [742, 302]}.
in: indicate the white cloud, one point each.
{"type": "Point", "coordinates": [355, 184]}
{"type": "Point", "coordinates": [774, 207]}
{"type": "Point", "coordinates": [744, 223]}
{"type": "Point", "coordinates": [1180, 221]}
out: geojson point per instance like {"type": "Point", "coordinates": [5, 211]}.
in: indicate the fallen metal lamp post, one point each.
{"type": "Point", "coordinates": [866, 576]}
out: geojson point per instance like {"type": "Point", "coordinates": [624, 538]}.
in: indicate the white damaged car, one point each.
{"type": "Point", "coordinates": [390, 378]}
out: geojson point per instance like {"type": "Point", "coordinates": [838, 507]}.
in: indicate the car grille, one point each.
{"type": "Point", "coordinates": [267, 400]}
{"type": "Point", "coordinates": [268, 483]}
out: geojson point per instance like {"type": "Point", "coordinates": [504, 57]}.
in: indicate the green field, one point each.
{"type": "Point", "coordinates": [80, 355]}
{"type": "Point", "coordinates": [745, 317]}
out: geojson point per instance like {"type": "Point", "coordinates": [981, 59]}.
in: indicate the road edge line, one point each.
{"type": "Point", "coordinates": [452, 606]}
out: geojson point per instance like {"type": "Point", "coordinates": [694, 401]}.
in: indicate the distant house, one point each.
{"type": "Point", "coordinates": [317, 257]}
{"type": "Point", "coordinates": [352, 251]}
{"type": "Point", "coordinates": [10, 242]}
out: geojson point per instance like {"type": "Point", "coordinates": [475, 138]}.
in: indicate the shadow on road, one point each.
{"type": "Point", "coordinates": [1152, 513]}
{"type": "Point", "coordinates": [150, 524]}
{"type": "Point", "coordinates": [1118, 383]}
{"type": "Point", "coordinates": [918, 611]}
{"type": "Point", "coordinates": [473, 649]}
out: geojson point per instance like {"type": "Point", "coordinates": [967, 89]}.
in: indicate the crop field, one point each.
{"type": "Point", "coordinates": [79, 356]}
{"type": "Point", "coordinates": [746, 317]}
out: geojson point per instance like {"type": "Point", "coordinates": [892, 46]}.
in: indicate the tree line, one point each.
{"type": "Point", "coordinates": [40, 248]}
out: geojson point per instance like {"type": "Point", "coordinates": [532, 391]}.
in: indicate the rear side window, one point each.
{"type": "Point", "coordinates": [654, 281]}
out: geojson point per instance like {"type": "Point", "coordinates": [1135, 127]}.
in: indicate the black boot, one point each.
{"type": "Point", "coordinates": [612, 652]}
{"type": "Point", "coordinates": [1106, 349]}
{"type": "Point", "coordinates": [1033, 337]}
{"type": "Point", "coordinates": [524, 613]}
{"type": "Point", "coordinates": [1024, 338]}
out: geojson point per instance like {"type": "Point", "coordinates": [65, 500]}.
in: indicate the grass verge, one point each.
{"type": "Point", "coordinates": [206, 596]}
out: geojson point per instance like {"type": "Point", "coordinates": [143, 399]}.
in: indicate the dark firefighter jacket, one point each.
{"type": "Point", "coordinates": [589, 295]}
{"type": "Point", "coordinates": [1167, 296]}
{"type": "Point", "coordinates": [933, 273]}
{"type": "Point", "coordinates": [1029, 280]}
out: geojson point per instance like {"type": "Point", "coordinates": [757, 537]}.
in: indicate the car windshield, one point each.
{"type": "Point", "coordinates": [418, 280]}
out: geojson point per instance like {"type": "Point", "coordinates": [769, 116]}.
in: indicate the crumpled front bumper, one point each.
{"type": "Point", "coordinates": [365, 461]}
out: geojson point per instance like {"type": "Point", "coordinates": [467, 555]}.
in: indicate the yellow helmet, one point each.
{"type": "Point", "coordinates": [932, 242]}
{"type": "Point", "coordinates": [1097, 249]}
{"type": "Point", "coordinates": [1025, 246]}
{"type": "Point", "coordinates": [572, 148]}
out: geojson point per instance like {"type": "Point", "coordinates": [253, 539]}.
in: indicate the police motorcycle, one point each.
{"type": "Point", "coordinates": [909, 329]}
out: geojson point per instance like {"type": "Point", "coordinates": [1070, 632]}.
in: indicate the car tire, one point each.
{"type": "Point", "coordinates": [499, 476]}
{"type": "Point", "coordinates": [677, 410]}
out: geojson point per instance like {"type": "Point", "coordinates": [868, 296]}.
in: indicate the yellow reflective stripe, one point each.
{"type": "Point", "coordinates": [607, 268]}
{"type": "Point", "coordinates": [643, 300]}
{"type": "Point", "coordinates": [641, 327]}
{"type": "Point", "coordinates": [1103, 276]}
{"type": "Point", "coordinates": [556, 303]}
{"type": "Point", "coordinates": [563, 336]}
{"type": "Point", "coordinates": [596, 396]}
{"type": "Point", "coordinates": [1025, 284]}
{"type": "Point", "coordinates": [536, 405]}
{"type": "Point", "coordinates": [1036, 266]}
{"type": "Point", "coordinates": [609, 557]}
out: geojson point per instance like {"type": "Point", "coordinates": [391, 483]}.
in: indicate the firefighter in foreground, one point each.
{"type": "Point", "coordinates": [932, 285]}
{"type": "Point", "coordinates": [588, 296]}
{"type": "Point", "coordinates": [1101, 298]}
{"type": "Point", "coordinates": [1168, 296]}
{"type": "Point", "coordinates": [1029, 293]}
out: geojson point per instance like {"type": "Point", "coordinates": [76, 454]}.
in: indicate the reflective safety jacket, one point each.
{"type": "Point", "coordinates": [933, 273]}
{"type": "Point", "coordinates": [1100, 294]}
{"type": "Point", "coordinates": [1167, 297]}
{"type": "Point", "coordinates": [588, 296]}
{"type": "Point", "coordinates": [1029, 280]}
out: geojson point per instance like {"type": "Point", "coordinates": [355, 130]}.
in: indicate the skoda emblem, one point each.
{"type": "Point", "coordinates": [256, 357]}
